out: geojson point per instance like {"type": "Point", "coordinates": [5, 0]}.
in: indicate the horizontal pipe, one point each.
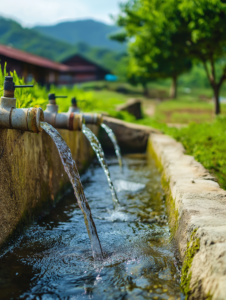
{"type": "Point", "coordinates": [26, 119]}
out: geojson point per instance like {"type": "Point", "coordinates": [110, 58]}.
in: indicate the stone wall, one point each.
{"type": "Point", "coordinates": [32, 176]}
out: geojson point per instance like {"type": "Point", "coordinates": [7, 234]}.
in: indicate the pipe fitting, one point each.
{"type": "Point", "coordinates": [68, 120]}
{"type": "Point", "coordinates": [78, 120]}
{"type": "Point", "coordinates": [95, 119]}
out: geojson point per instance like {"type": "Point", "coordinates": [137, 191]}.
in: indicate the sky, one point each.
{"type": "Point", "coordinates": [45, 12]}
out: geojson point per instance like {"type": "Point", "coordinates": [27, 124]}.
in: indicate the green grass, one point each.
{"type": "Point", "coordinates": [205, 141]}
{"type": "Point", "coordinates": [185, 112]}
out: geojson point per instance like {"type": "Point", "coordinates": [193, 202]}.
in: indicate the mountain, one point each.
{"type": "Point", "coordinates": [13, 34]}
{"type": "Point", "coordinates": [90, 32]}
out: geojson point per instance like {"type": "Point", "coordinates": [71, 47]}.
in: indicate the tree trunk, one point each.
{"type": "Point", "coordinates": [146, 93]}
{"type": "Point", "coordinates": [216, 100]}
{"type": "Point", "coordinates": [173, 89]}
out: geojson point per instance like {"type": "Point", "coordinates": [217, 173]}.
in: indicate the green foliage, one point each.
{"type": "Point", "coordinates": [157, 35]}
{"type": "Point", "coordinates": [206, 23]}
{"type": "Point", "coordinates": [88, 101]}
{"type": "Point", "coordinates": [166, 35]}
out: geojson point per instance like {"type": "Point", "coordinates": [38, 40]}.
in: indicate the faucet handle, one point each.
{"type": "Point", "coordinates": [74, 101]}
{"type": "Point", "coordinates": [52, 98]}
{"type": "Point", "coordinates": [23, 86]}
{"type": "Point", "coordinates": [9, 87]}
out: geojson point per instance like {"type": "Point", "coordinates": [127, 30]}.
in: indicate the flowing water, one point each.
{"type": "Point", "coordinates": [97, 148]}
{"type": "Point", "coordinates": [112, 136]}
{"type": "Point", "coordinates": [73, 174]}
{"type": "Point", "coordinates": [53, 260]}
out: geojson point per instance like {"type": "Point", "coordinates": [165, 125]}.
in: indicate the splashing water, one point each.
{"type": "Point", "coordinates": [112, 136]}
{"type": "Point", "coordinates": [95, 144]}
{"type": "Point", "coordinates": [73, 174]}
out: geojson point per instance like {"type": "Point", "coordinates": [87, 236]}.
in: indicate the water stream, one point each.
{"type": "Point", "coordinates": [73, 174]}
{"type": "Point", "coordinates": [95, 144]}
{"type": "Point", "coordinates": [112, 136]}
{"type": "Point", "coordinates": [53, 259]}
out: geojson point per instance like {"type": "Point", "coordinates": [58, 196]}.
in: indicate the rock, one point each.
{"type": "Point", "coordinates": [133, 106]}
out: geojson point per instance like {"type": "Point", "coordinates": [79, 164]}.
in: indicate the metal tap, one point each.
{"type": "Point", "coordinates": [69, 120]}
{"type": "Point", "coordinates": [89, 118]}
{"type": "Point", "coordinates": [74, 107]}
{"type": "Point", "coordinates": [27, 119]}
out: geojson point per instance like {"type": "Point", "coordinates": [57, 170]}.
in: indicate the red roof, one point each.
{"type": "Point", "coordinates": [32, 59]}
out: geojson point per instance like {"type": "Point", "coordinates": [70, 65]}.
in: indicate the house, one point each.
{"type": "Point", "coordinates": [29, 66]}
{"type": "Point", "coordinates": [82, 70]}
{"type": "Point", "coordinates": [75, 69]}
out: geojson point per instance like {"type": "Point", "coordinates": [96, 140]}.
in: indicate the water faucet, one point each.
{"type": "Point", "coordinates": [69, 120]}
{"type": "Point", "coordinates": [89, 118]}
{"type": "Point", "coordinates": [27, 119]}
{"type": "Point", "coordinates": [74, 108]}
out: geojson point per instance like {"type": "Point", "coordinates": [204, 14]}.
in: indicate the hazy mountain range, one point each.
{"type": "Point", "coordinates": [90, 32]}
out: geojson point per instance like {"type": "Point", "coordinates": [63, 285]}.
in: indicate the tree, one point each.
{"type": "Point", "coordinates": [207, 43]}
{"type": "Point", "coordinates": [156, 33]}
{"type": "Point", "coordinates": [166, 32]}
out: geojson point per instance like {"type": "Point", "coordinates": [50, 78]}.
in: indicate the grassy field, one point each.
{"type": "Point", "coordinates": [204, 135]}
{"type": "Point", "coordinates": [191, 105]}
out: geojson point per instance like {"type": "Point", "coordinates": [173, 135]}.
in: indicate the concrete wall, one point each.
{"type": "Point", "coordinates": [197, 210]}
{"type": "Point", "coordinates": [32, 176]}
{"type": "Point", "coordinates": [131, 137]}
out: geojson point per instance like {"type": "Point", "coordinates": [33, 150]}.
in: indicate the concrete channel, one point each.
{"type": "Point", "coordinates": [32, 179]}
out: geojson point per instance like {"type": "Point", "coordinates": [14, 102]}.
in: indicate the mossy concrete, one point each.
{"type": "Point", "coordinates": [32, 176]}
{"type": "Point", "coordinates": [199, 206]}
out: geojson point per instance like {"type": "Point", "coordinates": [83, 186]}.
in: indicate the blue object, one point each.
{"type": "Point", "coordinates": [111, 77]}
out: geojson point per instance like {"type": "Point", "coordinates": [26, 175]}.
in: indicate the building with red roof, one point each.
{"type": "Point", "coordinates": [73, 70]}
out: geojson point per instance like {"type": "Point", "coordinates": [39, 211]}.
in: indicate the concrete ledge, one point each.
{"type": "Point", "coordinates": [199, 218]}
{"type": "Point", "coordinates": [32, 176]}
{"type": "Point", "coordinates": [131, 137]}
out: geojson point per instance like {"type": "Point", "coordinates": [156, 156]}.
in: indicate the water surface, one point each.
{"type": "Point", "coordinates": [53, 260]}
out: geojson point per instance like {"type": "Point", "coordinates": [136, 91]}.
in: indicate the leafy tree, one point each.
{"type": "Point", "coordinates": [207, 43]}
{"type": "Point", "coordinates": [156, 33]}
{"type": "Point", "coordinates": [164, 34]}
